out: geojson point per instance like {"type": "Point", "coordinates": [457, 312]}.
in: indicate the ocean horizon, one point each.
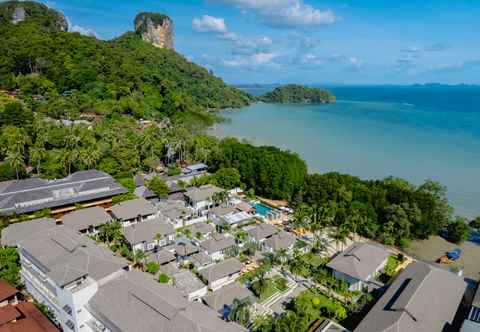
{"type": "Point", "coordinates": [412, 132]}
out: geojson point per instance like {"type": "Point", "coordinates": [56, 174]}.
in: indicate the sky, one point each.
{"type": "Point", "coordinates": [308, 41]}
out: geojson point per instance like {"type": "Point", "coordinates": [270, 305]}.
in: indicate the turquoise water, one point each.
{"type": "Point", "coordinates": [416, 133]}
{"type": "Point", "coordinates": [262, 209]}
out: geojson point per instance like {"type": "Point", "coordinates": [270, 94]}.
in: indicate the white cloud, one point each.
{"type": "Point", "coordinates": [209, 23]}
{"type": "Point", "coordinates": [242, 44]}
{"type": "Point", "coordinates": [286, 13]}
{"type": "Point", "coordinates": [84, 31]}
{"type": "Point", "coordinates": [257, 59]}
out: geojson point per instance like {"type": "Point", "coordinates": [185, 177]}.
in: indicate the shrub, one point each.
{"type": "Point", "coordinates": [163, 278]}
{"type": "Point", "coordinates": [152, 267]}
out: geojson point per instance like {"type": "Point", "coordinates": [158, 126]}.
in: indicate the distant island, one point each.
{"type": "Point", "coordinates": [298, 94]}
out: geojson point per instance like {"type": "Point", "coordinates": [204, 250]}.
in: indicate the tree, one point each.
{"type": "Point", "coordinates": [240, 312]}
{"type": "Point", "coordinates": [16, 161]}
{"type": "Point", "coordinates": [111, 233]}
{"type": "Point", "coordinates": [158, 186]}
{"type": "Point", "coordinates": [227, 178]}
{"type": "Point", "coordinates": [475, 224]}
{"type": "Point", "coordinates": [458, 231]}
{"type": "Point", "coordinates": [10, 266]}
{"type": "Point", "coordinates": [139, 257]}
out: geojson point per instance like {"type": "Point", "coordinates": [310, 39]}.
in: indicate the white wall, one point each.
{"type": "Point", "coordinates": [217, 284]}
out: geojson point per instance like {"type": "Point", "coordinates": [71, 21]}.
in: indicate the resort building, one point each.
{"type": "Point", "coordinates": [184, 249]}
{"type": "Point", "coordinates": [149, 235]}
{"type": "Point", "coordinates": [359, 265]}
{"type": "Point", "coordinates": [222, 299]}
{"type": "Point", "coordinates": [229, 215]}
{"type": "Point", "coordinates": [88, 188]}
{"type": "Point", "coordinates": [282, 241]}
{"type": "Point", "coordinates": [89, 289]}
{"type": "Point", "coordinates": [20, 316]}
{"type": "Point", "coordinates": [201, 230]}
{"type": "Point", "coordinates": [134, 211]}
{"type": "Point", "coordinates": [176, 213]}
{"type": "Point", "coordinates": [196, 169]}
{"type": "Point", "coordinates": [20, 230]}
{"type": "Point", "coordinates": [162, 257]}
{"type": "Point", "coordinates": [472, 323]}
{"type": "Point", "coordinates": [87, 221]}
{"type": "Point", "coordinates": [201, 260]}
{"type": "Point", "coordinates": [203, 198]}
{"type": "Point", "coordinates": [221, 274]}
{"type": "Point", "coordinates": [218, 246]}
{"type": "Point", "coordinates": [186, 282]}
{"type": "Point", "coordinates": [422, 298]}
{"type": "Point", "coordinates": [260, 233]}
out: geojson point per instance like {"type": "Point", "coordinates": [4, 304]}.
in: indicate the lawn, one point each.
{"type": "Point", "coordinates": [271, 286]}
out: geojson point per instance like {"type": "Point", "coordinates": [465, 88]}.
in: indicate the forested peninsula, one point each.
{"type": "Point", "coordinates": [298, 94]}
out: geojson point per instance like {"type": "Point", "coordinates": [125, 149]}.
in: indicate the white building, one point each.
{"type": "Point", "coordinates": [221, 274]}
{"type": "Point", "coordinates": [203, 198]}
{"type": "Point", "coordinates": [359, 264]}
{"type": "Point", "coordinates": [149, 234]}
{"type": "Point", "coordinates": [134, 211]}
{"type": "Point", "coordinates": [218, 246]}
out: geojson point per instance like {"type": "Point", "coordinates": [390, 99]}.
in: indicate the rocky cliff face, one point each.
{"type": "Point", "coordinates": [15, 12]}
{"type": "Point", "coordinates": [156, 29]}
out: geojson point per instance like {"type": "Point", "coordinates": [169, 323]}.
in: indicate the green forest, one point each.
{"type": "Point", "coordinates": [298, 94]}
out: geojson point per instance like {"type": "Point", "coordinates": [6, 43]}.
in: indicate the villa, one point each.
{"type": "Point", "coordinates": [359, 264]}
{"type": "Point", "coordinates": [203, 198]}
{"type": "Point", "coordinates": [149, 235]}
{"type": "Point", "coordinates": [201, 230]}
{"type": "Point", "coordinates": [162, 257]}
{"type": "Point", "coordinates": [176, 213]}
{"type": "Point", "coordinates": [88, 188]}
{"type": "Point", "coordinates": [218, 245]}
{"type": "Point", "coordinates": [90, 289]}
{"type": "Point", "coordinates": [134, 211]}
{"type": "Point", "coordinates": [260, 233]}
{"type": "Point", "coordinates": [221, 274]}
{"type": "Point", "coordinates": [222, 299]}
{"type": "Point", "coordinates": [184, 249]}
{"type": "Point", "coordinates": [422, 298]}
{"type": "Point", "coordinates": [87, 221]}
{"type": "Point", "coordinates": [282, 241]}
{"type": "Point", "coordinates": [229, 215]}
{"type": "Point", "coordinates": [186, 282]}
{"type": "Point", "coordinates": [201, 260]}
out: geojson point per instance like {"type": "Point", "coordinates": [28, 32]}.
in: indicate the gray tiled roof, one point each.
{"type": "Point", "coordinates": [202, 228]}
{"type": "Point", "coordinates": [221, 211]}
{"type": "Point", "coordinates": [136, 302]}
{"type": "Point", "coordinates": [162, 256]}
{"type": "Point", "coordinates": [222, 269]}
{"type": "Point", "coordinates": [200, 259]}
{"type": "Point", "coordinates": [282, 240]}
{"type": "Point", "coordinates": [422, 298]}
{"type": "Point", "coordinates": [224, 296]}
{"type": "Point", "coordinates": [64, 255]}
{"type": "Point", "coordinates": [146, 231]}
{"type": "Point", "coordinates": [186, 249]}
{"type": "Point", "coordinates": [262, 231]}
{"type": "Point", "coordinates": [84, 218]}
{"type": "Point", "coordinates": [12, 234]}
{"type": "Point", "coordinates": [186, 282]}
{"type": "Point", "coordinates": [360, 260]}
{"type": "Point", "coordinates": [202, 193]}
{"type": "Point", "coordinates": [218, 242]}
{"type": "Point", "coordinates": [25, 196]}
{"type": "Point", "coordinates": [132, 209]}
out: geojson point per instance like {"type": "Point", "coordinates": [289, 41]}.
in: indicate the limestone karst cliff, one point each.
{"type": "Point", "coordinates": [15, 12]}
{"type": "Point", "coordinates": [156, 29]}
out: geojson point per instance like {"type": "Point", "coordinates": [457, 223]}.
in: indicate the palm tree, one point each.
{"type": "Point", "coordinates": [158, 237]}
{"type": "Point", "coordinates": [15, 160]}
{"type": "Point", "coordinates": [139, 257]}
{"type": "Point", "coordinates": [111, 233]}
{"type": "Point", "coordinates": [37, 153]}
{"type": "Point", "coordinates": [240, 312]}
{"type": "Point", "coordinates": [339, 234]}
{"type": "Point", "coordinates": [90, 157]}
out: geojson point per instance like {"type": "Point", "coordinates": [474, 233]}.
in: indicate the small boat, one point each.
{"type": "Point", "coordinates": [451, 256]}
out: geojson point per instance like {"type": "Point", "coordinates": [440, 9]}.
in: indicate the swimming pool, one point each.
{"type": "Point", "coordinates": [262, 209]}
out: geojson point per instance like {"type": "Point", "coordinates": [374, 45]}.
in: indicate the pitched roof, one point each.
{"type": "Point", "coordinates": [422, 298]}
{"type": "Point", "coordinates": [28, 195]}
{"type": "Point", "coordinates": [202, 228]}
{"type": "Point", "coordinates": [359, 260]}
{"type": "Point", "coordinates": [12, 234]}
{"type": "Point", "coordinates": [221, 211]}
{"type": "Point", "coordinates": [136, 302]}
{"type": "Point", "coordinates": [174, 209]}
{"type": "Point", "coordinates": [186, 249]}
{"type": "Point", "coordinates": [222, 269]}
{"type": "Point", "coordinates": [218, 242]}
{"type": "Point", "coordinates": [200, 259]}
{"type": "Point", "coordinates": [281, 240]}
{"type": "Point", "coordinates": [28, 318]}
{"type": "Point", "coordinates": [224, 296]}
{"type": "Point", "coordinates": [6, 290]}
{"type": "Point", "coordinates": [132, 209]}
{"type": "Point", "coordinates": [202, 193]}
{"type": "Point", "coordinates": [65, 256]}
{"type": "Point", "coordinates": [146, 231]}
{"type": "Point", "coordinates": [162, 256]}
{"type": "Point", "coordinates": [186, 282]}
{"type": "Point", "coordinates": [84, 218]}
{"type": "Point", "coordinates": [262, 231]}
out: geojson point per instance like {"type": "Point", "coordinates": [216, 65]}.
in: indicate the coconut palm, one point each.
{"type": "Point", "coordinates": [139, 257]}
{"type": "Point", "coordinates": [37, 153]}
{"type": "Point", "coordinates": [240, 312]}
{"type": "Point", "coordinates": [16, 161]}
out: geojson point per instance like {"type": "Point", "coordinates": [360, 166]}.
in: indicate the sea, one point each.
{"type": "Point", "coordinates": [413, 132]}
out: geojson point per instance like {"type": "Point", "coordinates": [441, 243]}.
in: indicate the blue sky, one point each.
{"type": "Point", "coordinates": [308, 41]}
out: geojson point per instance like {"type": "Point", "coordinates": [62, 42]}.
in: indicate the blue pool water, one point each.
{"type": "Point", "coordinates": [262, 209]}
{"type": "Point", "coordinates": [417, 133]}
